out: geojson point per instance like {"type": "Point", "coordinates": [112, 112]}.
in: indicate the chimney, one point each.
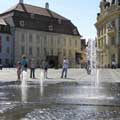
{"type": "Point", "coordinates": [47, 5]}
{"type": "Point", "coordinates": [21, 1]}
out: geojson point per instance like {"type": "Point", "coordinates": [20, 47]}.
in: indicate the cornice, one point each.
{"type": "Point", "coordinates": [108, 13]}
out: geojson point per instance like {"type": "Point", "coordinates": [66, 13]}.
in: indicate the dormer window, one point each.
{"type": "Point", "coordinates": [59, 21]}
{"type": "Point", "coordinates": [75, 31]}
{"type": "Point", "coordinates": [32, 16]}
{"type": "Point", "coordinates": [22, 23]}
{"type": "Point", "coordinates": [50, 27]}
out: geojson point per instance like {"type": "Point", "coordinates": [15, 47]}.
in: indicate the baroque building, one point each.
{"type": "Point", "coordinates": [41, 34]}
{"type": "Point", "coordinates": [108, 33]}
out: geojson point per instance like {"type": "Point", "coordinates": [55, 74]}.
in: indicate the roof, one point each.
{"type": "Point", "coordinates": [35, 10]}
{"type": "Point", "coordinates": [42, 19]}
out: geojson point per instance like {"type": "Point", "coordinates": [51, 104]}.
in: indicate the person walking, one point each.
{"type": "Point", "coordinates": [113, 64]}
{"type": "Point", "coordinates": [45, 67]}
{"type": "Point", "coordinates": [65, 68]}
{"type": "Point", "coordinates": [32, 68]}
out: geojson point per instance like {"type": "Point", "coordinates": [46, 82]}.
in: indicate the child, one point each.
{"type": "Point", "coordinates": [18, 70]}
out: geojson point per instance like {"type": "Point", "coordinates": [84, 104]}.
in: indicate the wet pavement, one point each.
{"type": "Point", "coordinates": [59, 101]}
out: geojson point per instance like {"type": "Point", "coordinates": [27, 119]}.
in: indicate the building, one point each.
{"type": "Point", "coordinates": [108, 32]}
{"type": "Point", "coordinates": [5, 44]}
{"type": "Point", "coordinates": [83, 60]}
{"type": "Point", "coordinates": [41, 34]}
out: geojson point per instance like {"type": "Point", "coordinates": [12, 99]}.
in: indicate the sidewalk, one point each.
{"type": "Point", "coordinates": [10, 74]}
{"type": "Point", "coordinates": [104, 75]}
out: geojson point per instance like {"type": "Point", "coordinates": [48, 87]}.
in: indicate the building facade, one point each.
{"type": "Point", "coordinates": [108, 32]}
{"type": "Point", "coordinates": [41, 34]}
{"type": "Point", "coordinates": [5, 44]}
{"type": "Point", "coordinates": [83, 60]}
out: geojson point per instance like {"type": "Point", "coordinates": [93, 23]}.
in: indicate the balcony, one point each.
{"type": "Point", "coordinates": [112, 32]}
{"type": "Point", "coordinates": [108, 11]}
{"type": "Point", "coordinates": [99, 50]}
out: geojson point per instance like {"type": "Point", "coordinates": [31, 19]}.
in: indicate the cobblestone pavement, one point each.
{"type": "Point", "coordinates": [103, 75]}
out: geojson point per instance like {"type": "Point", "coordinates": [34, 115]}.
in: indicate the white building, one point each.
{"type": "Point", "coordinates": [6, 44]}
{"type": "Point", "coordinates": [41, 34]}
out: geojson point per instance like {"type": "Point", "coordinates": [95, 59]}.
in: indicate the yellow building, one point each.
{"type": "Point", "coordinates": [108, 33]}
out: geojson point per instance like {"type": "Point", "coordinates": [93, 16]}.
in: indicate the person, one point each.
{"type": "Point", "coordinates": [32, 69]}
{"type": "Point", "coordinates": [113, 64]}
{"type": "Point", "coordinates": [45, 67]}
{"type": "Point", "coordinates": [88, 67]}
{"type": "Point", "coordinates": [18, 69]}
{"type": "Point", "coordinates": [24, 66]}
{"type": "Point", "coordinates": [24, 63]}
{"type": "Point", "coordinates": [65, 68]}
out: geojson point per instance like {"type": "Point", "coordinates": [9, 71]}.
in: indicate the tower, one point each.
{"type": "Point", "coordinates": [20, 1]}
{"type": "Point", "coordinates": [47, 5]}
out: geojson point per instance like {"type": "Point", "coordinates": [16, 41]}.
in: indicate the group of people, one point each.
{"type": "Point", "coordinates": [24, 64]}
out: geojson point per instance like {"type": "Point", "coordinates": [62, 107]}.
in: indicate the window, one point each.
{"type": "Point", "coordinates": [6, 61]}
{"type": "Point", "coordinates": [75, 31]}
{"type": "Point", "coordinates": [7, 29]}
{"type": "Point", "coordinates": [113, 41]}
{"type": "Point", "coordinates": [70, 53]}
{"type": "Point", "coordinates": [7, 38]}
{"type": "Point", "coordinates": [58, 50]}
{"type": "Point", "coordinates": [70, 42]}
{"type": "Point", "coordinates": [0, 61]}
{"type": "Point", "coordinates": [30, 38]}
{"type": "Point", "coordinates": [21, 23]}
{"type": "Point", "coordinates": [32, 16]}
{"type": "Point", "coordinates": [30, 50]}
{"type": "Point", "coordinates": [38, 51]}
{"type": "Point", "coordinates": [38, 38]}
{"type": "Point", "coordinates": [52, 42]}
{"type": "Point", "coordinates": [50, 27]}
{"type": "Point", "coordinates": [45, 40]}
{"type": "Point", "coordinates": [51, 51]}
{"type": "Point", "coordinates": [75, 42]}
{"type": "Point", "coordinates": [4, 28]}
{"type": "Point", "coordinates": [0, 44]}
{"type": "Point", "coordinates": [0, 49]}
{"type": "Point", "coordinates": [59, 21]}
{"type": "Point", "coordinates": [7, 50]}
{"type": "Point", "coordinates": [22, 50]}
{"type": "Point", "coordinates": [58, 42]}
{"type": "Point", "coordinates": [65, 42]}
{"type": "Point", "coordinates": [23, 37]}
{"type": "Point", "coordinates": [113, 57]}
{"type": "Point", "coordinates": [64, 52]}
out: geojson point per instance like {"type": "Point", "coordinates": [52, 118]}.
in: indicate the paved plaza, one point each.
{"type": "Point", "coordinates": [104, 75]}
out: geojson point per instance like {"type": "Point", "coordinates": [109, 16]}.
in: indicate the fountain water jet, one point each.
{"type": "Point", "coordinates": [41, 83]}
{"type": "Point", "coordinates": [94, 74]}
{"type": "Point", "coordinates": [24, 86]}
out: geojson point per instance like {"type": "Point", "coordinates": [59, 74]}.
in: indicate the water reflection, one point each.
{"type": "Point", "coordinates": [24, 93]}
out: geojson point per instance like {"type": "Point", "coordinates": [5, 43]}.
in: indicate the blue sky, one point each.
{"type": "Point", "coordinates": [82, 13]}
